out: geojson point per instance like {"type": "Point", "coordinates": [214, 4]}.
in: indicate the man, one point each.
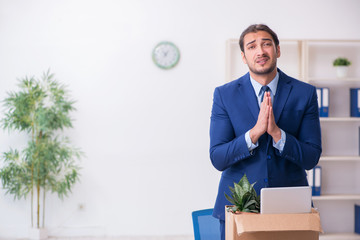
{"type": "Point", "coordinates": [265, 124]}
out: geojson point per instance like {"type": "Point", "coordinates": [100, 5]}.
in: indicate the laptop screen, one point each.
{"type": "Point", "coordinates": [285, 200]}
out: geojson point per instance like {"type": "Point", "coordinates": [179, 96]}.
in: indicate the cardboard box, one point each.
{"type": "Point", "coordinates": [253, 226]}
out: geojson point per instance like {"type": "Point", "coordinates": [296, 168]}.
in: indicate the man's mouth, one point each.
{"type": "Point", "coordinates": [262, 60]}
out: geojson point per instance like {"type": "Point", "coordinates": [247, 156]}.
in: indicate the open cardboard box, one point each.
{"type": "Point", "coordinates": [254, 226]}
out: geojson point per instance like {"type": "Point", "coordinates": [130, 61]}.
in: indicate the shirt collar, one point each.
{"type": "Point", "coordinates": [272, 85]}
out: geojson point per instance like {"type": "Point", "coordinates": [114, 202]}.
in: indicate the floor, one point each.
{"type": "Point", "coordinates": [120, 238]}
{"type": "Point", "coordinates": [130, 238]}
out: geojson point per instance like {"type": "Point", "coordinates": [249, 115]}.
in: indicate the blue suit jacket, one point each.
{"type": "Point", "coordinates": [235, 111]}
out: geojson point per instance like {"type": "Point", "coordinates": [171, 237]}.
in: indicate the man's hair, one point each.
{"type": "Point", "coordinates": [254, 29]}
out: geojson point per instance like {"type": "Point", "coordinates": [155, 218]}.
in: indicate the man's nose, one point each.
{"type": "Point", "coordinates": [260, 51]}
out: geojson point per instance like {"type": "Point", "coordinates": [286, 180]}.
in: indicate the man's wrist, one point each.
{"type": "Point", "coordinates": [281, 143]}
{"type": "Point", "coordinates": [251, 146]}
{"type": "Point", "coordinates": [254, 136]}
{"type": "Point", "coordinates": [276, 136]}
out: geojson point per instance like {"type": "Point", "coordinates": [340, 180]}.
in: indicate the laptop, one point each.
{"type": "Point", "coordinates": [285, 200]}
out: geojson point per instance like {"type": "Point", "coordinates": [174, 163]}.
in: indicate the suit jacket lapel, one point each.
{"type": "Point", "coordinates": [247, 94]}
{"type": "Point", "coordinates": [282, 94]}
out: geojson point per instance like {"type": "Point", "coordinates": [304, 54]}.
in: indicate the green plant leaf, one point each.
{"type": "Point", "coordinates": [244, 183]}
{"type": "Point", "coordinates": [41, 109]}
{"type": "Point", "coordinates": [239, 190]}
{"type": "Point", "coordinates": [341, 62]}
{"type": "Point", "coordinates": [249, 203]}
{"type": "Point", "coordinates": [229, 199]}
{"type": "Point", "coordinates": [244, 196]}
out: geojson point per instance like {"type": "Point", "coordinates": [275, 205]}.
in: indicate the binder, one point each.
{"type": "Point", "coordinates": [319, 97]}
{"type": "Point", "coordinates": [317, 181]}
{"type": "Point", "coordinates": [357, 219]}
{"type": "Point", "coordinates": [310, 178]}
{"type": "Point", "coordinates": [323, 101]}
{"type": "Point", "coordinates": [354, 102]}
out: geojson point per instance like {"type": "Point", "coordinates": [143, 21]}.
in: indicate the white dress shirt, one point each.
{"type": "Point", "coordinates": [257, 88]}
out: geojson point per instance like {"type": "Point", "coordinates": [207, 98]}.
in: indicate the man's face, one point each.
{"type": "Point", "coordinates": [260, 53]}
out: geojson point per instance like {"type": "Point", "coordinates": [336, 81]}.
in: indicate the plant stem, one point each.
{"type": "Point", "coordinates": [32, 166]}
{"type": "Point", "coordinates": [38, 187]}
{"type": "Point", "coordinates": [38, 203]}
{"type": "Point", "coordinates": [43, 212]}
{"type": "Point", "coordinates": [32, 195]}
{"type": "Point", "coordinates": [32, 184]}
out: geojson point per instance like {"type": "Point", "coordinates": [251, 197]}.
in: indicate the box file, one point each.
{"type": "Point", "coordinates": [357, 219]}
{"type": "Point", "coordinates": [354, 102]}
{"type": "Point", "coordinates": [323, 101]}
{"type": "Point", "coordinates": [310, 178]}
{"type": "Point", "coordinates": [317, 181]}
{"type": "Point", "coordinates": [319, 97]}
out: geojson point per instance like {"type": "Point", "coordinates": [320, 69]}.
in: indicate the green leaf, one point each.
{"type": "Point", "coordinates": [244, 196]}
{"type": "Point", "coordinates": [239, 190]}
{"type": "Point", "coordinates": [244, 183]}
{"type": "Point", "coordinates": [249, 203]}
{"type": "Point", "coordinates": [41, 109]}
{"type": "Point", "coordinates": [341, 62]}
{"type": "Point", "coordinates": [229, 199]}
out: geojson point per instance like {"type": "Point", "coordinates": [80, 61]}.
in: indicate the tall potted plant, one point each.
{"type": "Point", "coordinates": [41, 108]}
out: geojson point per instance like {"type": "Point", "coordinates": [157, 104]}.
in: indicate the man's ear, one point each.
{"type": "Point", "coordinates": [278, 53]}
{"type": "Point", "coordinates": [243, 57]}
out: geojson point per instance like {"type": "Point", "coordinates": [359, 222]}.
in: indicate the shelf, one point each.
{"type": "Point", "coordinates": [338, 197]}
{"type": "Point", "coordinates": [339, 236]}
{"type": "Point", "coordinates": [311, 60]}
{"type": "Point", "coordinates": [335, 80]}
{"type": "Point", "coordinates": [340, 119]}
{"type": "Point", "coordinates": [339, 158]}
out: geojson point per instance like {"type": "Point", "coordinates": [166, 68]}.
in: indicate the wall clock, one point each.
{"type": "Point", "coordinates": [166, 55]}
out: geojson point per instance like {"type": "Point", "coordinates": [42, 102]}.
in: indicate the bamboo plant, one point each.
{"type": "Point", "coordinates": [41, 109]}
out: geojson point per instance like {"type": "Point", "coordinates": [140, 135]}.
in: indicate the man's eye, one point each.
{"type": "Point", "coordinates": [251, 47]}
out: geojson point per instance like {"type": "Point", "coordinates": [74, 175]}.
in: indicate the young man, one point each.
{"type": "Point", "coordinates": [265, 124]}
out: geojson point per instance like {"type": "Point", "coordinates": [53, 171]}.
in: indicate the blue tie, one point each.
{"type": "Point", "coordinates": [262, 92]}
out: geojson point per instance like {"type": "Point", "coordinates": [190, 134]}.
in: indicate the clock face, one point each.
{"type": "Point", "coordinates": [166, 55]}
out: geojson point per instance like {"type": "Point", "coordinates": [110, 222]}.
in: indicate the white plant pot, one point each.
{"type": "Point", "coordinates": [341, 71]}
{"type": "Point", "coordinates": [37, 233]}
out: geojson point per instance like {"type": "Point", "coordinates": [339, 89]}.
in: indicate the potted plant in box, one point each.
{"type": "Point", "coordinates": [41, 109]}
{"type": "Point", "coordinates": [244, 197]}
{"type": "Point", "coordinates": [341, 64]}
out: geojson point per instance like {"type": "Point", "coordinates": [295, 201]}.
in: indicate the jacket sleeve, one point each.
{"type": "Point", "coordinates": [226, 149]}
{"type": "Point", "coordinates": [305, 149]}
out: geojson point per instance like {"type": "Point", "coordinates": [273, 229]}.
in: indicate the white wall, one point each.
{"type": "Point", "coordinates": [144, 130]}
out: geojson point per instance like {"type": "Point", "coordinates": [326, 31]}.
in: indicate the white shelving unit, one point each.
{"type": "Point", "coordinates": [311, 61]}
{"type": "Point", "coordinates": [339, 119]}
{"type": "Point", "coordinates": [340, 159]}
{"type": "Point", "coordinates": [340, 236]}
